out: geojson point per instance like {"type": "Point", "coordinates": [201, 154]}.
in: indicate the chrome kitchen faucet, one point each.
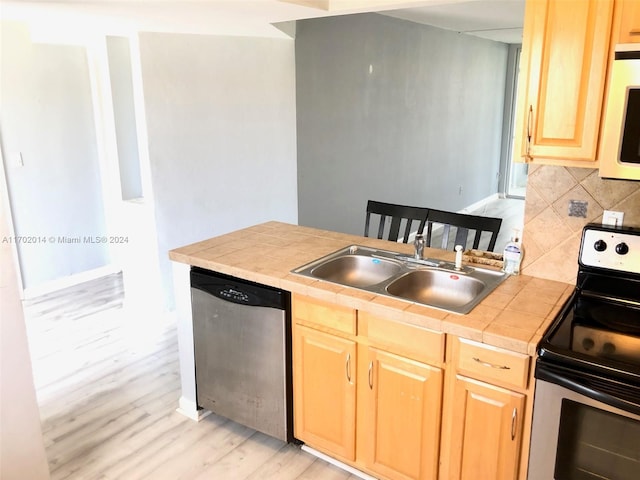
{"type": "Point", "coordinates": [419, 244]}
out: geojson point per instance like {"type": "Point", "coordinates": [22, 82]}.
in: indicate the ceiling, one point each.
{"type": "Point", "coordinates": [499, 20]}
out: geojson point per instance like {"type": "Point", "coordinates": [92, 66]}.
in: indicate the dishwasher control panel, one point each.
{"type": "Point", "coordinates": [234, 290]}
{"type": "Point", "coordinates": [235, 295]}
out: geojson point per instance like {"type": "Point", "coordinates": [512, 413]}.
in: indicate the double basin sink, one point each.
{"type": "Point", "coordinates": [430, 282]}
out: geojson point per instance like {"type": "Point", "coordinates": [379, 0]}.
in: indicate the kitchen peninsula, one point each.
{"type": "Point", "coordinates": [459, 366]}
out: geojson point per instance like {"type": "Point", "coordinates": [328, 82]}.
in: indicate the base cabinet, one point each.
{"type": "Point", "coordinates": [325, 391]}
{"type": "Point", "coordinates": [389, 399]}
{"type": "Point", "coordinates": [487, 431]}
{"type": "Point", "coordinates": [402, 401]}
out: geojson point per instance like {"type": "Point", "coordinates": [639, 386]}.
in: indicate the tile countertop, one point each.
{"type": "Point", "coordinates": [514, 316]}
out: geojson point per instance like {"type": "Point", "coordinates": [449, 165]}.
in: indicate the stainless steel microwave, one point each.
{"type": "Point", "coordinates": [620, 152]}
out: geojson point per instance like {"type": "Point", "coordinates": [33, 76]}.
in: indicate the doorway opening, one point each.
{"type": "Point", "coordinates": [515, 183]}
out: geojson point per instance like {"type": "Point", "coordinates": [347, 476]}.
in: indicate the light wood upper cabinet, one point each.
{"type": "Point", "coordinates": [628, 21]}
{"type": "Point", "coordinates": [324, 376]}
{"type": "Point", "coordinates": [487, 431]}
{"type": "Point", "coordinates": [402, 402]}
{"type": "Point", "coordinates": [562, 79]}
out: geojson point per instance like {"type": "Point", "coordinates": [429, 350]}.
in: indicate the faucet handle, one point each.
{"type": "Point", "coordinates": [458, 250]}
{"type": "Point", "coordinates": [419, 243]}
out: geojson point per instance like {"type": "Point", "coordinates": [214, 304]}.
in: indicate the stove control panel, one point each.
{"type": "Point", "coordinates": [614, 249]}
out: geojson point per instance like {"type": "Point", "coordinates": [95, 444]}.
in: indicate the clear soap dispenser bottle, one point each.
{"type": "Point", "coordinates": [512, 255]}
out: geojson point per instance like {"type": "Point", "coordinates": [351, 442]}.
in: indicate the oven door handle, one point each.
{"type": "Point", "coordinates": [588, 391]}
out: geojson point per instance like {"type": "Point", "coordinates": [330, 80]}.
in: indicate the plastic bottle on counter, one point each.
{"type": "Point", "coordinates": [512, 255]}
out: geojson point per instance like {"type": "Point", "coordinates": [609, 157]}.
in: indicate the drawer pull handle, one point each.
{"type": "Point", "coordinates": [634, 31]}
{"type": "Point", "coordinates": [370, 375]}
{"type": "Point", "coordinates": [528, 156]}
{"type": "Point", "coordinates": [348, 366]}
{"type": "Point", "coordinates": [514, 417]}
{"type": "Point", "coordinates": [492, 365]}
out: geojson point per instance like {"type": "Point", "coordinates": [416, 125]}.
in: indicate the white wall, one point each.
{"type": "Point", "coordinates": [122, 94]}
{"type": "Point", "coordinates": [221, 127]}
{"type": "Point", "coordinates": [22, 454]}
{"type": "Point", "coordinates": [46, 114]}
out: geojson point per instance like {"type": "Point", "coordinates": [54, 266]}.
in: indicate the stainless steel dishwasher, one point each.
{"type": "Point", "coordinates": [242, 340]}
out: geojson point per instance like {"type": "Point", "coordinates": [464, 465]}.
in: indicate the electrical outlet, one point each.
{"type": "Point", "coordinates": [612, 218]}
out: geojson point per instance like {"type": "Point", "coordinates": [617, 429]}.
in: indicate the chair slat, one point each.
{"type": "Point", "coordinates": [415, 218]}
{"type": "Point", "coordinates": [425, 219]}
{"type": "Point", "coordinates": [463, 223]}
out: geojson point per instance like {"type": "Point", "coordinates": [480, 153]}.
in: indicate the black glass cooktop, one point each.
{"type": "Point", "coordinates": [596, 334]}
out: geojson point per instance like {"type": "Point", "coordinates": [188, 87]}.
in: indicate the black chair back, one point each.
{"type": "Point", "coordinates": [400, 215]}
{"type": "Point", "coordinates": [463, 223]}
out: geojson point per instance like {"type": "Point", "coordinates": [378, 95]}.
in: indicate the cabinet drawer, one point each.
{"type": "Point", "coordinates": [404, 339]}
{"type": "Point", "coordinates": [488, 363]}
{"type": "Point", "coordinates": [324, 315]}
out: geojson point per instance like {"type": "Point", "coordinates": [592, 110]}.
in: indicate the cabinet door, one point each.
{"type": "Point", "coordinates": [562, 79]}
{"type": "Point", "coordinates": [487, 431]}
{"type": "Point", "coordinates": [324, 373]}
{"type": "Point", "coordinates": [629, 21]}
{"type": "Point", "coordinates": [402, 419]}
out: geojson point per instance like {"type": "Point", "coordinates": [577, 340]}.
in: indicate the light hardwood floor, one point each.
{"type": "Point", "coordinates": [108, 388]}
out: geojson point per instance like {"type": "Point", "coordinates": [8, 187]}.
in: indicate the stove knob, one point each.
{"type": "Point", "coordinates": [587, 344]}
{"type": "Point", "coordinates": [600, 246]}
{"type": "Point", "coordinates": [622, 248]}
{"type": "Point", "coordinates": [608, 348]}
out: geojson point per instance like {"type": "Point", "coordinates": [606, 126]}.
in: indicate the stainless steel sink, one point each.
{"type": "Point", "coordinates": [431, 282]}
{"type": "Point", "coordinates": [438, 288]}
{"type": "Point", "coordinates": [356, 270]}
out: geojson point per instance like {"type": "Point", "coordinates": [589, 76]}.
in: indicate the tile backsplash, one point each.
{"type": "Point", "coordinates": [551, 236]}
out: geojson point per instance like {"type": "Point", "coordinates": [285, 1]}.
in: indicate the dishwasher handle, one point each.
{"type": "Point", "coordinates": [237, 291]}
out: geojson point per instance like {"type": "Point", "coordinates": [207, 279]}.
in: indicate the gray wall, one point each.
{"type": "Point", "coordinates": [221, 125]}
{"type": "Point", "coordinates": [46, 114]}
{"type": "Point", "coordinates": [426, 121]}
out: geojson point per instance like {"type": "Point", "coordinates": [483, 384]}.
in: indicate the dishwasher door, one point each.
{"type": "Point", "coordinates": [243, 352]}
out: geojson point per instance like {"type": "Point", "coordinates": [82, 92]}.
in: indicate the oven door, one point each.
{"type": "Point", "coordinates": [575, 437]}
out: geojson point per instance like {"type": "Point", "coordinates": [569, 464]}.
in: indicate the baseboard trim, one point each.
{"type": "Point", "coordinates": [68, 281]}
{"type": "Point", "coordinates": [480, 203]}
{"type": "Point", "coordinates": [190, 410]}
{"type": "Point", "coordinates": [337, 463]}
